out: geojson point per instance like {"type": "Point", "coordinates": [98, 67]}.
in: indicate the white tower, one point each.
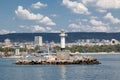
{"type": "Point", "coordinates": [63, 35]}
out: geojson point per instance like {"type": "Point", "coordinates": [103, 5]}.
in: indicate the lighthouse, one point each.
{"type": "Point", "coordinates": [63, 54]}
{"type": "Point", "coordinates": [63, 35]}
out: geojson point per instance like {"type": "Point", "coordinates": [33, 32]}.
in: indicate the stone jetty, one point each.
{"type": "Point", "coordinates": [80, 60]}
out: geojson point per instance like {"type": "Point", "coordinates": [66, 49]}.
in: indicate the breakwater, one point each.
{"type": "Point", "coordinates": [84, 60]}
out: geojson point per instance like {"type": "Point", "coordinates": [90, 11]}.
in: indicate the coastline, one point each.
{"type": "Point", "coordinates": [101, 53]}
{"type": "Point", "coordinates": [13, 57]}
{"type": "Point", "coordinates": [77, 53]}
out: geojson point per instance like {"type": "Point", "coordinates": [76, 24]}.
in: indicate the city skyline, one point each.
{"type": "Point", "coordinates": [21, 16]}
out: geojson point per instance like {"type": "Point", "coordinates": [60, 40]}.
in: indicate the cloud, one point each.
{"type": "Point", "coordinates": [47, 21]}
{"type": "Point", "coordinates": [97, 26]}
{"type": "Point", "coordinates": [87, 1]}
{"type": "Point", "coordinates": [37, 28]}
{"type": "Point", "coordinates": [4, 31]}
{"type": "Point", "coordinates": [49, 28]}
{"type": "Point", "coordinates": [38, 5]}
{"type": "Point", "coordinates": [76, 7]}
{"type": "Point", "coordinates": [74, 26]}
{"type": "Point", "coordinates": [55, 31]}
{"type": "Point", "coordinates": [54, 15]}
{"type": "Point", "coordinates": [96, 23]}
{"type": "Point", "coordinates": [102, 5]}
{"type": "Point", "coordinates": [78, 27]}
{"type": "Point", "coordinates": [112, 19]}
{"type": "Point", "coordinates": [108, 4]}
{"type": "Point", "coordinates": [101, 10]}
{"type": "Point", "coordinates": [33, 28]}
{"type": "Point", "coordinates": [99, 29]}
{"type": "Point", "coordinates": [93, 17]}
{"type": "Point", "coordinates": [26, 15]}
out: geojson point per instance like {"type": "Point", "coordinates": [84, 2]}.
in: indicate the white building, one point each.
{"type": "Point", "coordinates": [38, 40]}
{"type": "Point", "coordinates": [114, 42]}
{"type": "Point", "coordinates": [7, 43]}
{"type": "Point", "coordinates": [93, 42]}
{"type": "Point", "coordinates": [17, 51]}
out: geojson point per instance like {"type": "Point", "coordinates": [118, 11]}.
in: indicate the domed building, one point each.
{"type": "Point", "coordinates": [114, 42]}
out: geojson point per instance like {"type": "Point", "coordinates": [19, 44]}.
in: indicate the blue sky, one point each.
{"type": "Point", "coordinates": [23, 16]}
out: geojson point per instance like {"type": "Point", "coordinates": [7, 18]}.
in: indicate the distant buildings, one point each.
{"type": "Point", "coordinates": [17, 51]}
{"type": "Point", "coordinates": [92, 42]}
{"type": "Point", "coordinates": [7, 43]}
{"type": "Point", "coordinates": [38, 41]}
{"type": "Point", "coordinates": [38, 44]}
{"type": "Point", "coordinates": [114, 42]}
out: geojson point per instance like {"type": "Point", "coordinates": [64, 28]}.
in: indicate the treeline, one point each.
{"type": "Point", "coordinates": [8, 49]}
{"type": "Point", "coordinates": [72, 36]}
{"type": "Point", "coordinates": [103, 48]}
{"type": "Point", "coordinates": [83, 49]}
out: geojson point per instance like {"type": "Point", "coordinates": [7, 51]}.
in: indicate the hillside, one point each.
{"type": "Point", "coordinates": [72, 36]}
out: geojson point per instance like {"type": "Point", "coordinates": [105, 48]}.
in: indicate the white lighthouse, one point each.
{"type": "Point", "coordinates": [63, 35]}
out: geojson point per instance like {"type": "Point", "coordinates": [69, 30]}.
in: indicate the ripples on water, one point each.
{"type": "Point", "coordinates": [108, 70]}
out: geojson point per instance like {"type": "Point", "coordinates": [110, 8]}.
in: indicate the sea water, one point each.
{"type": "Point", "coordinates": [108, 70]}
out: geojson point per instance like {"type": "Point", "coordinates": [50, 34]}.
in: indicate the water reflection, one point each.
{"type": "Point", "coordinates": [63, 72]}
{"type": "Point", "coordinates": [108, 70]}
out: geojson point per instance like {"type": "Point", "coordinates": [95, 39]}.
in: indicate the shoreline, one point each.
{"type": "Point", "coordinates": [102, 53]}
{"type": "Point", "coordinates": [88, 53]}
{"type": "Point", "coordinates": [97, 53]}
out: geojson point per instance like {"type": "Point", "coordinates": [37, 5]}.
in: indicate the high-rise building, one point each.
{"type": "Point", "coordinates": [7, 42]}
{"type": "Point", "coordinates": [38, 40]}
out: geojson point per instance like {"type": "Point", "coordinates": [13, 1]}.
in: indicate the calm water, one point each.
{"type": "Point", "coordinates": [108, 70]}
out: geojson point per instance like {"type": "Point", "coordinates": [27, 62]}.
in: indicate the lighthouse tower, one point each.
{"type": "Point", "coordinates": [63, 35]}
{"type": "Point", "coordinates": [63, 54]}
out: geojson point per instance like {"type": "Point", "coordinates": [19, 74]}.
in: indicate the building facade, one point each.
{"type": "Point", "coordinates": [38, 41]}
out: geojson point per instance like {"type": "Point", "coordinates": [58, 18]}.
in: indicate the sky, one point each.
{"type": "Point", "coordinates": [37, 16]}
